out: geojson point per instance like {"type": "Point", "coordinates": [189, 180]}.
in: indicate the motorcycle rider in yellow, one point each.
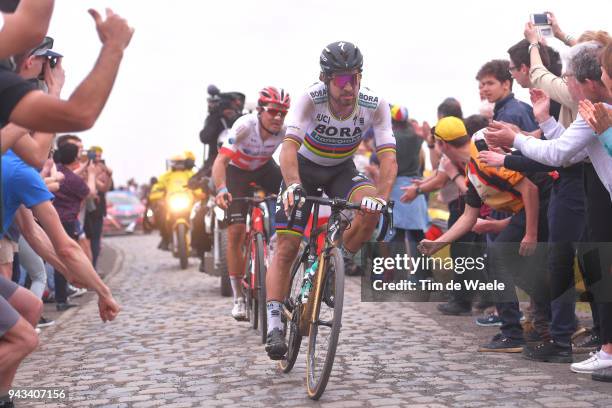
{"type": "Point", "coordinates": [173, 181]}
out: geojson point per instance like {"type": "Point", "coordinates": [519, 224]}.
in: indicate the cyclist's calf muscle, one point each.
{"type": "Point", "coordinates": [235, 260]}
{"type": "Point", "coordinates": [277, 277]}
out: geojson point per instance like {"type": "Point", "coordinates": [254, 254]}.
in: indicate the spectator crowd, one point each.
{"type": "Point", "coordinates": [530, 187]}
{"type": "Point", "coordinates": [52, 191]}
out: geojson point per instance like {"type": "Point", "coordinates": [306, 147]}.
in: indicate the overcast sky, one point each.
{"type": "Point", "coordinates": [415, 54]}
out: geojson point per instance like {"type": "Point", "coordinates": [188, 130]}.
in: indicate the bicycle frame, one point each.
{"type": "Point", "coordinates": [257, 222]}
{"type": "Point", "coordinates": [303, 319]}
{"type": "Point", "coordinates": [335, 229]}
{"type": "Point", "coordinates": [333, 238]}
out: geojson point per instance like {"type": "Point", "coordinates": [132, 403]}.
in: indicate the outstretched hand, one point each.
{"type": "Point", "coordinates": [531, 33]}
{"type": "Point", "coordinates": [492, 159]}
{"type": "Point", "coordinates": [596, 115]}
{"type": "Point", "coordinates": [114, 30]}
{"type": "Point", "coordinates": [541, 104]}
{"type": "Point", "coordinates": [108, 308]}
{"type": "Point", "coordinates": [499, 134]}
{"type": "Point", "coordinates": [428, 247]}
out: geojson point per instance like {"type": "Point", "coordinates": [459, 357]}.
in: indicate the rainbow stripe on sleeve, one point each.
{"type": "Point", "coordinates": [388, 147]}
{"type": "Point", "coordinates": [293, 139]}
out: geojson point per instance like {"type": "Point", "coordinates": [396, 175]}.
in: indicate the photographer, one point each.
{"type": "Point", "coordinates": [42, 68]}
{"type": "Point", "coordinates": [223, 110]}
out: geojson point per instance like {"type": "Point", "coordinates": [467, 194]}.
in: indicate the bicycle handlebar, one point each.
{"type": "Point", "coordinates": [253, 200]}
{"type": "Point", "coordinates": [256, 200]}
{"type": "Point", "coordinates": [341, 204]}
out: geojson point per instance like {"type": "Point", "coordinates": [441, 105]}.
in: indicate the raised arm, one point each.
{"type": "Point", "coordinates": [541, 77]}
{"type": "Point", "coordinates": [46, 113]}
{"type": "Point", "coordinates": [26, 27]}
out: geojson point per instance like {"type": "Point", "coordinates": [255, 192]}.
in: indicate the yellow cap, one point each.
{"type": "Point", "coordinates": [189, 155]}
{"type": "Point", "coordinates": [450, 128]}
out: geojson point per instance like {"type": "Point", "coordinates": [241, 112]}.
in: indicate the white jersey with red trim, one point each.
{"type": "Point", "coordinates": [327, 140]}
{"type": "Point", "coordinates": [245, 145]}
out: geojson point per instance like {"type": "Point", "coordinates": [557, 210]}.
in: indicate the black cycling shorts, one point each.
{"type": "Point", "coordinates": [239, 181]}
{"type": "Point", "coordinates": [340, 181]}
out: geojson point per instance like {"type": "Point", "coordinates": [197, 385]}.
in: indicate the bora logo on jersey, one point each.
{"type": "Point", "coordinates": [334, 131]}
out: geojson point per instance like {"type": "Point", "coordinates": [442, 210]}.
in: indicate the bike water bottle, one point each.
{"type": "Point", "coordinates": [307, 283]}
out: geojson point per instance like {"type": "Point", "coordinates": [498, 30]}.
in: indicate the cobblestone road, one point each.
{"type": "Point", "coordinates": [175, 345]}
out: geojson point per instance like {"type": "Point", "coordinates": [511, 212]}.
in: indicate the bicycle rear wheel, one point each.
{"type": "Point", "coordinates": [259, 295]}
{"type": "Point", "coordinates": [325, 329]}
{"type": "Point", "coordinates": [247, 286]}
{"type": "Point", "coordinates": [292, 327]}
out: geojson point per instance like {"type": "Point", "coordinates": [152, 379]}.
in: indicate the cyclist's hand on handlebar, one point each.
{"type": "Point", "coordinates": [294, 194]}
{"type": "Point", "coordinates": [223, 199]}
{"type": "Point", "coordinates": [372, 205]}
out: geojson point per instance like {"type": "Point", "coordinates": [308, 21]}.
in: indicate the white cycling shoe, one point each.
{"type": "Point", "coordinates": [239, 310]}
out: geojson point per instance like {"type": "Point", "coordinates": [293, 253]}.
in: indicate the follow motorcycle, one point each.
{"type": "Point", "coordinates": [179, 205]}
{"type": "Point", "coordinates": [208, 221]}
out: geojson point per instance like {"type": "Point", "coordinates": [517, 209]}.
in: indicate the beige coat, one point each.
{"type": "Point", "coordinates": [557, 89]}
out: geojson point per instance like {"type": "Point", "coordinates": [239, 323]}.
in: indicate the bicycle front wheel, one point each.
{"type": "Point", "coordinates": [325, 330]}
{"type": "Point", "coordinates": [292, 326]}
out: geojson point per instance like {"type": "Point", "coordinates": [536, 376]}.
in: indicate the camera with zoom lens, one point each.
{"type": "Point", "coordinates": [219, 103]}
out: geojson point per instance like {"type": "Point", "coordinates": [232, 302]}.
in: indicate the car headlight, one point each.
{"type": "Point", "coordinates": [180, 202]}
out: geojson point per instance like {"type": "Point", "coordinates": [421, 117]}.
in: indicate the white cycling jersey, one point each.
{"type": "Point", "coordinates": [245, 145]}
{"type": "Point", "coordinates": [329, 141]}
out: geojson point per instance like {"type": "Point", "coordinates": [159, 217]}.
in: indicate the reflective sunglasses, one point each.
{"type": "Point", "coordinates": [341, 80]}
{"type": "Point", "coordinates": [275, 112]}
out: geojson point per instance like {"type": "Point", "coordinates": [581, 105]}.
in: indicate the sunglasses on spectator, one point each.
{"type": "Point", "coordinates": [510, 69]}
{"type": "Point", "coordinates": [275, 112]}
{"type": "Point", "coordinates": [341, 80]}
